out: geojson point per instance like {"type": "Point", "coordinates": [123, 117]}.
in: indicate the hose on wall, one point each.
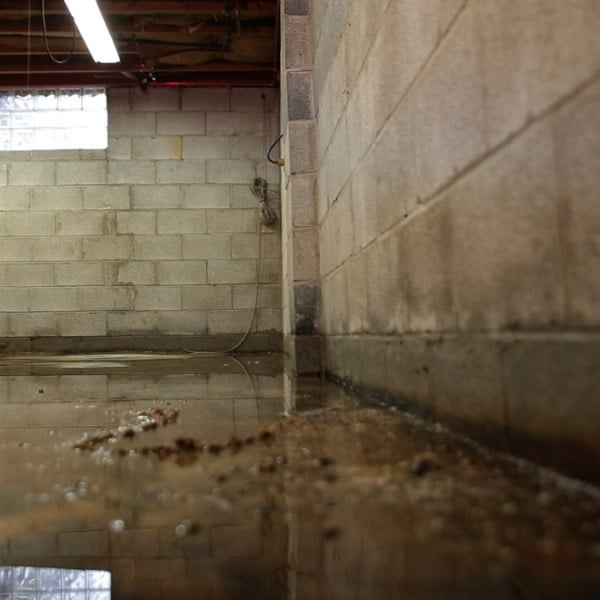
{"type": "Point", "coordinates": [266, 218]}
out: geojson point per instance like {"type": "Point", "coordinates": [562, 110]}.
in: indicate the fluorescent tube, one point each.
{"type": "Point", "coordinates": [93, 30]}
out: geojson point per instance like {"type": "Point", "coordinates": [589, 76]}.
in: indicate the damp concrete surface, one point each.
{"type": "Point", "coordinates": [213, 476]}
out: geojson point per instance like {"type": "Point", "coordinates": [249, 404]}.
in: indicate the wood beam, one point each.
{"type": "Point", "coordinates": [163, 7]}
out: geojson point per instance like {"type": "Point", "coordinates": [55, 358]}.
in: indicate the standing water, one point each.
{"type": "Point", "coordinates": [149, 476]}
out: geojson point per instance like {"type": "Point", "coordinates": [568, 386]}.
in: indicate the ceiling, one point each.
{"type": "Point", "coordinates": [160, 42]}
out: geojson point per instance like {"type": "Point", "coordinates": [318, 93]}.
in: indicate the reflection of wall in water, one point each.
{"type": "Point", "coordinates": [40, 416]}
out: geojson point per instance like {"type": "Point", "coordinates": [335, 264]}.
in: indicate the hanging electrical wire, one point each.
{"type": "Point", "coordinates": [280, 161]}
{"type": "Point", "coordinates": [58, 61]}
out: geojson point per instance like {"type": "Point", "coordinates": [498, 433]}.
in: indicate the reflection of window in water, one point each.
{"type": "Point", "coordinates": [32, 583]}
{"type": "Point", "coordinates": [69, 119]}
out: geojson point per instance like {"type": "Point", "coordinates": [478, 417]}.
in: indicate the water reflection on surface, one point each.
{"type": "Point", "coordinates": [265, 486]}
{"type": "Point", "coordinates": [35, 583]}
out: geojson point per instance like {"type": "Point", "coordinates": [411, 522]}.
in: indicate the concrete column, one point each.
{"type": "Point", "coordinates": [300, 237]}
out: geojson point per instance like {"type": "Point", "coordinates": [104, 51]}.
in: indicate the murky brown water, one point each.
{"type": "Point", "coordinates": [203, 478]}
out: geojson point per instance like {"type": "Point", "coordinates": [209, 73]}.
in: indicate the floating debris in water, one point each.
{"type": "Point", "coordinates": [235, 443]}
{"type": "Point", "coordinates": [188, 444]}
{"type": "Point", "coordinates": [70, 496]}
{"type": "Point", "coordinates": [332, 533]}
{"type": "Point", "coordinates": [145, 421]}
{"type": "Point", "coordinates": [424, 463]}
{"type": "Point", "coordinates": [215, 448]}
{"type": "Point", "coordinates": [185, 528]}
{"type": "Point", "coordinates": [116, 525]}
{"type": "Point", "coordinates": [185, 448]}
{"type": "Point", "coordinates": [266, 436]}
{"type": "Point", "coordinates": [93, 442]}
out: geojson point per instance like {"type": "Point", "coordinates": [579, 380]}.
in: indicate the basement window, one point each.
{"type": "Point", "coordinates": [62, 119]}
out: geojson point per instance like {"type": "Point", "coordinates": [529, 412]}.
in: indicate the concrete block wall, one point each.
{"type": "Point", "coordinates": [156, 236]}
{"type": "Point", "coordinates": [300, 245]}
{"type": "Point", "coordinates": [458, 182]}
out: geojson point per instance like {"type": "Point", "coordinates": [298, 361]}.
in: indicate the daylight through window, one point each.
{"type": "Point", "coordinates": [61, 119]}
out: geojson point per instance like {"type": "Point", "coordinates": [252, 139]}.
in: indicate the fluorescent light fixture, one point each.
{"type": "Point", "coordinates": [93, 30]}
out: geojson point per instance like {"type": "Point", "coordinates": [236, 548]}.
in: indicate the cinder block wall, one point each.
{"type": "Point", "coordinates": [300, 242]}
{"type": "Point", "coordinates": [155, 237]}
{"type": "Point", "coordinates": [458, 206]}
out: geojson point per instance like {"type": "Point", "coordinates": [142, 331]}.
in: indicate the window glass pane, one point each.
{"type": "Point", "coordinates": [47, 139]}
{"type": "Point", "coordinates": [50, 579]}
{"type": "Point", "coordinates": [4, 140]}
{"type": "Point", "coordinates": [25, 578]}
{"type": "Point", "coordinates": [53, 119]}
{"type": "Point", "coordinates": [22, 139]}
{"type": "Point", "coordinates": [33, 583]}
{"type": "Point", "coordinates": [73, 580]}
{"type": "Point", "coordinates": [23, 119]}
{"type": "Point", "coordinates": [98, 138]}
{"type": "Point", "coordinates": [46, 100]}
{"type": "Point", "coordinates": [68, 99]}
{"type": "Point", "coordinates": [98, 580]}
{"type": "Point", "coordinates": [94, 99]}
{"type": "Point", "coordinates": [23, 101]}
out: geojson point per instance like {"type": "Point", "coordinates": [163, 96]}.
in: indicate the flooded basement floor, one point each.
{"type": "Point", "coordinates": [209, 477]}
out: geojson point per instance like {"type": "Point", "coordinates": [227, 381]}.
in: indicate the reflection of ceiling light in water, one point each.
{"type": "Point", "coordinates": [93, 30]}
